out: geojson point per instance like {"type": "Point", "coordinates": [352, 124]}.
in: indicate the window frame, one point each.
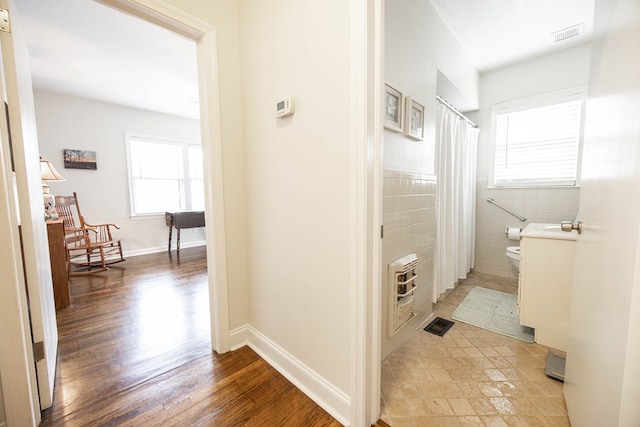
{"type": "Point", "coordinates": [185, 179]}
{"type": "Point", "coordinates": [547, 99]}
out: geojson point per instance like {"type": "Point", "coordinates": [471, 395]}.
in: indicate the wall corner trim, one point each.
{"type": "Point", "coordinates": [238, 337]}
{"type": "Point", "coordinates": [326, 395]}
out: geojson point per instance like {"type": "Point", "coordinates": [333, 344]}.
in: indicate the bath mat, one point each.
{"type": "Point", "coordinates": [439, 326]}
{"type": "Point", "coordinates": [494, 311]}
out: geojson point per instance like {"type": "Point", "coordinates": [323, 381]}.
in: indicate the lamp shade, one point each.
{"type": "Point", "coordinates": [48, 172]}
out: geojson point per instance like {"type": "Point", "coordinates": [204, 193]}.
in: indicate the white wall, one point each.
{"type": "Point", "coordinates": [103, 194]}
{"type": "Point", "coordinates": [298, 180]}
{"type": "Point", "coordinates": [417, 46]}
{"type": "Point", "coordinates": [421, 60]}
{"type": "Point", "coordinates": [562, 70]}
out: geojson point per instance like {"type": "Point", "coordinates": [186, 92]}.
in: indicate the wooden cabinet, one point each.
{"type": "Point", "coordinates": [58, 259]}
{"type": "Point", "coordinates": [544, 289]}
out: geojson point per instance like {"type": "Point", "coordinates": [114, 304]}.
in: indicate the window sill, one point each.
{"type": "Point", "coordinates": [534, 187]}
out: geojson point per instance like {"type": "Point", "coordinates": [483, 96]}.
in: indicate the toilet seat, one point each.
{"type": "Point", "coordinates": [513, 252]}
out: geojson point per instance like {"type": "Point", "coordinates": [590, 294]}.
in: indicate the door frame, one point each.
{"type": "Point", "coordinates": [367, 83]}
{"type": "Point", "coordinates": [205, 36]}
{"type": "Point", "coordinates": [27, 306]}
{"type": "Point", "coordinates": [19, 386]}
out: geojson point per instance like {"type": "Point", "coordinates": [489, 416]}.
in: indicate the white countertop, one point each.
{"type": "Point", "coordinates": [548, 231]}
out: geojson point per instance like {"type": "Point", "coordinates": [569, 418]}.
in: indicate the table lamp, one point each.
{"type": "Point", "coordinates": [49, 173]}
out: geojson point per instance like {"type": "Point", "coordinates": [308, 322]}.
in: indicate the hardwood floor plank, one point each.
{"type": "Point", "coordinates": [135, 350]}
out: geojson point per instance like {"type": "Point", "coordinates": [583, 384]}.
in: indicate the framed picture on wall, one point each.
{"type": "Point", "coordinates": [79, 159]}
{"type": "Point", "coordinates": [393, 109]}
{"type": "Point", "coordinates": [414, 126]}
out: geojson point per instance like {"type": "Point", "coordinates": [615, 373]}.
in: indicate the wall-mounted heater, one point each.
{"type": "Point", "coordinates": [402, 286]}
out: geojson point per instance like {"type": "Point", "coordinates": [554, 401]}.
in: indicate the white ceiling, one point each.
{"type": "Point", "coordinates": [83, 48]}
{"type": "Point", "coordinates": [86, 49]}
{"type": "Point", "coordinates": [495, 33]}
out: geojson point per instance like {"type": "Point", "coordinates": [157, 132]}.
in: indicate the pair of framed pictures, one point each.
{"type": "Point", "coordinates": [403, 113]}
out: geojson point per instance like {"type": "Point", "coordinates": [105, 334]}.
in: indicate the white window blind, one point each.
{"type": "Point", "coordinates": [196, 177]}
{"type": "Point", "coordinates": [538, 145]}
{"type": "Point", "coordinates": [164, 175]}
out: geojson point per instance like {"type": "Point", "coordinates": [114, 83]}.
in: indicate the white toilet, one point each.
{"type": "Point", "coordinates": [513, 253]}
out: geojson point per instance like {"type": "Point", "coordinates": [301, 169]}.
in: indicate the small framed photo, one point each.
{"type": "Point", "coordinates": [414, 127]}
{"type": "Point", "coordinates": [79, 159]}
{"type": "Point", "coordinates": [393, 109]}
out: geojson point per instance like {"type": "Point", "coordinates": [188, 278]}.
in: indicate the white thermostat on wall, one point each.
{"type": "Point", "coordinates": [285, 108]}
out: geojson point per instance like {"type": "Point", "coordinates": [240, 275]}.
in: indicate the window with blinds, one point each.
{"type": "Point", "coordinates": [164, 175]}
{"type": "Point", "coordinates": [538, 143]}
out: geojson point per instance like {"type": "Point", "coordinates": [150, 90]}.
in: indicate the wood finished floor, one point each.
{"type": "Point", "coordinates": [134, 350]}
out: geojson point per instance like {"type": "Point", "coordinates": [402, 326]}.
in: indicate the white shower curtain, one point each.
{"type": "Point", "coordinates": [456, 151]}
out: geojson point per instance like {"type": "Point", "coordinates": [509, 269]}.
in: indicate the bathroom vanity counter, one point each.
{"type": "Point", "coordinates": [545, 282]}
{"type": "Point", "coordinates": [548, 231]}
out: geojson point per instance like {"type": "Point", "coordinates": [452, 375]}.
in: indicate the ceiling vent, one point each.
{"type": "Point", "coordinates": [567, 33]}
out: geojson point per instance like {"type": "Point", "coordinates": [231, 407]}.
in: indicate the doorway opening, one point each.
{"type": "Point", "coordinates": [205, 37]}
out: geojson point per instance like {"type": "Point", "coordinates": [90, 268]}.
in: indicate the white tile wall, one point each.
{"type": "Point", "coordinates": [548, 205]}
{"type": "Point", "coordinates": [409, 207]}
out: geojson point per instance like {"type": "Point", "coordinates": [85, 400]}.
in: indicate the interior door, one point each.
{"type": "Point", "coordinates": [19, 97]}
{"type": "Point", "coordinates": [602, 386]}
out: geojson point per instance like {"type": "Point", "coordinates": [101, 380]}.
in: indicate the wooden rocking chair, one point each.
{"type": "Point", "coordinates": [90, 248]}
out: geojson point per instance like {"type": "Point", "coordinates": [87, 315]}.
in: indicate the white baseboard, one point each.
{"type": "Point", "coordinates": [147, 251]}
{"type": "Point", "coordinates": [321, 391]}
{"type": "Point", "coordinates": [239, 337]}
{"type": "Point", "coordinates": [332, 400]}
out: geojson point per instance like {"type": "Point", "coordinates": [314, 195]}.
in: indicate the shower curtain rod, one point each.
{"type": "Point", "coordinates": [452, 108]}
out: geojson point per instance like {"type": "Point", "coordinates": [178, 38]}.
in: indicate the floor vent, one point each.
{"type": "Point", "coordinates": [439, 326]}
{"type": "Point", "coordinates": [555, 364]}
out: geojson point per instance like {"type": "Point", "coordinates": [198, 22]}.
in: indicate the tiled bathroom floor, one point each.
{"type": "Point", "coordinates": [470, 377]}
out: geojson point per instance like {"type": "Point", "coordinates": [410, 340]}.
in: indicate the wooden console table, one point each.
{"type": "Point", "coordinates": [58, 260]}
{"type": "Point", "coordinates": [184, 219]}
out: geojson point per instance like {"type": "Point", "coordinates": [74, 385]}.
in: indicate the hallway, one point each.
{"type": "Point", "coordinates": [470, 377]}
